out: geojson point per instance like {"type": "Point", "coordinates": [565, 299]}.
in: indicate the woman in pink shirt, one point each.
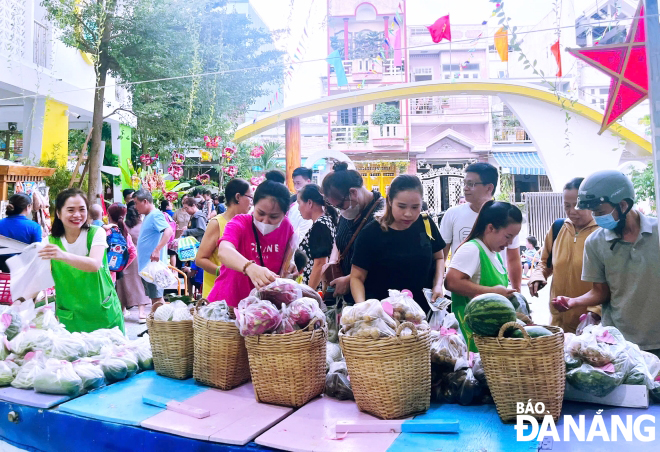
{"type": "Point", "coordinates": [254, 248]}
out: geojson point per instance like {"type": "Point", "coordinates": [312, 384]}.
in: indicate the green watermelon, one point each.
{"type": "Point", "coordinates": [520, 303]}
{"type": "Point", "coordinates": [486, 314]}
{"type": "Point", "coordinates": [532, 330]}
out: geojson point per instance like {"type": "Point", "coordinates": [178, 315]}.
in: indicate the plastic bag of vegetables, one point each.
{"type": "Point", "coordinates": [181, 314]}
{"type": "Point", "coordinates": [141, 347]}
{"type": "Point", "coordinates": [372, 329]}
{"type": "Point", "coordinates": [368, 311]}
{"type": "Point", "coordinates": [90, 373]}
{"type": "Point", "coordinates": [279, 292]}
{"type": "Point", "coordinates": [24, 379]}
{"type": "Point", "coordinates": [129, 359]}
{"type": "Point", "coordinates": [255, 316]}
{"type": "Point", "coordinates": [639, 373]}
{"type": "Point", "coordinates": [30, 340]}
{"type": "Point", "coordinates": [157, 273]}
{"type": "Point", "coordinates": [338, 386]}
{"type": "Point", "coordinates": [58, 377]}
{"type": "Point", "coordinates": [95, 343]}
{"type": "Point", "coordinates": [447, 349]}
{"type": "Point", "coordinates": [218, 311]}
{"type": "Point", "coordinates": [450, 322]}
{"type": "Point", "coordinates": [587, 319]}
{"type": "Point", "coordinates": [114, 335]}
{"type": "Point", "coordinates": [45, 318]}
{"type": "Point", "coordinates": [4, 351]}
{"type": "Point", "coordinates": [68, 347]}
{"type": "Point", "coordinates": [10, 322]}
{"type": "Point", "coordinates": [600, 381]}
{"type": "Point", "coordinates": [114, 369]}
{"type": "Point", "coordinates": [403, 307]}
{"type": "Point", "coordinates": [6, 373]}
{"type": "Point", "coordinates": [597, 345]}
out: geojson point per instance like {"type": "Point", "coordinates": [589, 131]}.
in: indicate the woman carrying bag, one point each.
{"type": "Point", "coordinates": [477, 266]}
{"type": "Point", "coordinates": [85, 293]}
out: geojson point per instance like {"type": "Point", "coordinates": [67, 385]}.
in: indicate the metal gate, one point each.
{"type": "Point", "coordinates": [442, 187]}
{"type": "Point", "coordinates": [542, 210]}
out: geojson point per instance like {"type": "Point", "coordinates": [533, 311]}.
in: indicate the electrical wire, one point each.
{"type": "Point", "coordinates": [264, 67]}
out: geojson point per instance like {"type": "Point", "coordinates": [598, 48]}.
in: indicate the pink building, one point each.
{"type": "Point", "coordinates": [435, 135]}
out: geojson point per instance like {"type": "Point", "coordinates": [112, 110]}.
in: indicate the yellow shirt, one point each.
{"type": "Point", "coordinates": [209, 278]}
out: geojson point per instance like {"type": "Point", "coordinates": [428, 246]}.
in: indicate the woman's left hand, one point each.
{"type": "Point", "coordinates": [52, 252]}
{"type": "Point", "coordinates": [438, 292]}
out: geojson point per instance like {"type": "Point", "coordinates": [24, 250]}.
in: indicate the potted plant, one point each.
{"type": "Point", "coordinates": [385, 114]}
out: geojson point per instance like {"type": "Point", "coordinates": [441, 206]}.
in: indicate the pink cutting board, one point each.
{"type": "Point", "coordinates": [236, 417]}
{"type": "Point", "coordinates": [311, 428]}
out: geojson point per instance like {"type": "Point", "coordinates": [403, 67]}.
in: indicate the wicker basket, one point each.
{"type": "Point", "coordinates": [172, 346]}
{"type": "Point", "coordinates": [288, 369]}
{"type": "Point", "coordinates": [390, 377]}
{"type": "Point", "coordinates": [519, 370]}
{"type": "Point", "coordinates": [221, 358]}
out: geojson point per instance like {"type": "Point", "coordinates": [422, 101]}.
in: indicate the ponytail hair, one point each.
{"type": "Point", "coordinates": [117, 213]}
{"type": "Point", "coordinates": [499, 214]}
{"type": "Point", "coordinates": [313, 192]}
{"type": "Point", "coordinates": [404, 182]}
{"type": "Point", "coordinates": [339, 182]}
{"type": "Point", "coordinates": [18, 203]}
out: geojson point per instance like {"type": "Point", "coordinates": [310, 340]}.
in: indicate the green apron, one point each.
{"type": "Point", "coordinates": [85, 301]}
{"type": "Point", "coordinates": [490, 277]}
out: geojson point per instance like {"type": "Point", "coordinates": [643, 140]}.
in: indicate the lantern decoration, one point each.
{"type": "Point", "coordinates": [203, 178]}
{"type": "Point", "coordinates": [171, 196]}
{"type": "Point", "coordinates": [205, 156]}
{"type": "Point", "coordinates": [256, 180]}
{"type": "Point", "coordinates": [257, 152]}
{"type": "Point", "coordinates": [176, 171]}
{"type": "Point", "coordinates": [212, 142]}
{"type": "Point", "coordinates": [228, 153]}
{"type": "Point", "coordinates": [230, 171]}
{"type": "Point", "coordinates": [147, 159]}
{"type": "Point", "coordinates": [626, 65]}
{"type": "Point", "coordinates": [178, 158]}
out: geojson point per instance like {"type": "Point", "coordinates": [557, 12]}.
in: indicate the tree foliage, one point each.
{"type": "Point", "coordinates": [644, 183]}
{"type": "Point", "coordinates": [385, 114]}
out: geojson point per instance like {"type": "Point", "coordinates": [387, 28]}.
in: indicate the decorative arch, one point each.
{"type": "Point", "coordinates": [366, 12]}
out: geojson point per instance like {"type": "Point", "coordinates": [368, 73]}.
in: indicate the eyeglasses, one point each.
{"type": "Point", "coordinates": [249, 196]}
{"type": "Point", "coordinates": [341, 203]}
{"type": "Point", "coordinates": [473, 184]}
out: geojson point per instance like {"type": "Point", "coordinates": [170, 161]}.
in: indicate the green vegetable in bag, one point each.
{"type": "Point", "coordinates": [58, 377]}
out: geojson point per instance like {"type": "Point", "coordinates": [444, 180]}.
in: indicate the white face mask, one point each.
{"type": "Point", "coordinates": [352, 212]}
{"type": "Point", "coordinates": [264, 228]}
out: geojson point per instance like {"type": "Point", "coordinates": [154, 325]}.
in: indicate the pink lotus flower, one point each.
{"type": "Point", "coordinates": [257, 152]}
{"type": "Point", "coordinates": [231, 171]}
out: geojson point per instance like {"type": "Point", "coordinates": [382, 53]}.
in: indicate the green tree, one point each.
{"type": "Point", "coordinates": [644, 183]}
{"type": "Point", "coordinates": [385, 114]}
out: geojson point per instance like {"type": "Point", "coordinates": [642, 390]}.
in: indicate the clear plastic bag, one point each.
{"type": "Point", "coordinates": [639, 374]}
{"type": "Point", "coordinates": [67, 347]}
{"type": "Point", "coordinates": [90, 373]}
{"type": "Point", "coordinates": [597, 345]}
{"type": "Point", "coordinates": [141, 347]}
{"type": "Point", "coordinates": [24, 379]}
{"type": "Point", "coordinates": [58, 377]}
{"type": "Point", "coordinates": [586, 319]}
{"type": "Point", "coordinates": [368, 311]}
{"type": "Point", "coordinates": [338, 386]}
{"type": "Point", "coordinates": [114, 334]}
{"type": "Point", "coordinates": [338, 367]}
{"type": "Point", "coordinates": [372, 329]}
{"type": "Point", "coordinates": [45, 318]}
{"type": "Point", "coordinates": [10, 322]}
{"type": "Point", "coordinates": [255, 316]}
{"type": "Point", "coordinates": [280, 292]}
{"type": "Point", "coordinates": [218, 311]}
{"type": "Point", "coordinates": [4, 351]}
{"type": "Point", "coordinates": [600, 381]}
{"type": "Point", "coordinates": [129, 359]}
{"type": "Point", "coordinates": [95, 342]}
{"type": "Point", "coordinates": [158, 274]}
{"type": "Point", "coordinates": [181, 314]}
{"type": "Point", "coordinates": [436, 319]}
{"type": "Point", "coordinates": [332, 319]}
{"type": "Point", "coordinates": [114, 369]}
{"type": "Point", "coordinates": [30, 340]}
{"type": "Point", "coordinates": [6, 373]}
{"type": "Point", "coordinates": [404, 307]}
{"type": "Point", "coordinates": [450, 322]}
{"type": "Point", "coordinates": [447, 349]}
{"type": "Point", "coordinates": [333, 352]}
{"type": "Point", "coordinates": [302, 311]}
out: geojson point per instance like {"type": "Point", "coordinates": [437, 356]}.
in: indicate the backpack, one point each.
{"type": "Point", "coordinates": [172, 224]}
{"type": "Point", "coordinates": [556, 227]}
{"type": "Point", "coordinates": [117, 250]}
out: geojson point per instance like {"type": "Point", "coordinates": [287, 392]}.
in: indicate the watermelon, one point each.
{"type": "Point", "coordinates": [520, 303]}
{"type": "Point", "coordinates": [532, 330]}
{"type": "Point", "coordinates": [486, 314]}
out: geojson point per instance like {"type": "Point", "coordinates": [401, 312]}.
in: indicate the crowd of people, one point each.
{"type": "Point", "coordinates": [354, 244]}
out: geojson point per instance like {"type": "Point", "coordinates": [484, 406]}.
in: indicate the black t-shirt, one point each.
{"type": "Point", "coordinates": [398, 259]}
{"type": "Point", "coordinates": [317, 243]}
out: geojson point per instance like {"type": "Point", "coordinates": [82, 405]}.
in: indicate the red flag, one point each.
{"type": "Point", "coordinates": [555, 51]}
{"type": "Point", "coordinates": [440, 29]}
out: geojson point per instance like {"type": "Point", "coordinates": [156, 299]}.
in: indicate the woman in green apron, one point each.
{"type": "Point", "coordinates": [477, 267]}
{"type": "Point", "coordinates": [86, 299]}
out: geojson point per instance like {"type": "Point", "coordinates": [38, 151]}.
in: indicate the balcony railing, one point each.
{"type": "Point", "coordinates": [511, 135]}
{"type": "Point", "coordinates": [438, 105]}
{"type": "Point", "coordinates": [346, 135]}
{"type": "Point", "coordinates": [387, 131]}
{"type": "Point", "coordinates": [370, 67]}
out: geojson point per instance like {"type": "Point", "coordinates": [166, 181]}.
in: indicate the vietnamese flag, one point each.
{"type": "Point", "coordinates": [440, 29]}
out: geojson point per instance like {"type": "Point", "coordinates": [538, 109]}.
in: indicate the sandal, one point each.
{"type": "Point", "coordinates": [142, 320]}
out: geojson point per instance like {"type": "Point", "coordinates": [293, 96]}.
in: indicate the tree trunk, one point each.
{"type": "Point", "coordinates": [95, 158]}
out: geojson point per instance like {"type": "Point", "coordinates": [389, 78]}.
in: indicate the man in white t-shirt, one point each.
{"type": "Point", "coordinates": [479, 185]}
{"type": "Point", "coordinates": [301, 177]}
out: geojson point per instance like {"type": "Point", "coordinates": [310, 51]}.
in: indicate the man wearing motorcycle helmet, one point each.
{"type": "Point", "coordinates": [621, 259]}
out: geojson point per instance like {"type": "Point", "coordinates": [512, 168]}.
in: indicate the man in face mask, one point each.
{"type": "Point", "coordinates": [621, 260]}
{"type": "Point", "coordinates": [301, 177]}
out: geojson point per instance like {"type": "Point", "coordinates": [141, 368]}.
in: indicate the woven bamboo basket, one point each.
{"type": "Point", "coordinates": [221, 358]}
{"type": "Point", "coordinates": [390, 377]}
{"type": "Point", "coordinates": [288, 369]}
{"type": "Point", "coordinates": [172, 346]}
{"type": "Point", "coordinates": [519, 370]}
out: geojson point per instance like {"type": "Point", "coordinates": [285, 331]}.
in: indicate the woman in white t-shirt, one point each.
{"type": "Point", "coordinates": [477, 266]}
{"type": "Point", "coordinates": [85, 294]}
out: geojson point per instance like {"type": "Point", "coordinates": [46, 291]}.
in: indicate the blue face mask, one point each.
{"type": "Point", "coordinates": [606, 221]}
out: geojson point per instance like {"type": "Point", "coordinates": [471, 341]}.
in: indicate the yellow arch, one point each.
{"type": "Point", "coordinates": [423, 89]}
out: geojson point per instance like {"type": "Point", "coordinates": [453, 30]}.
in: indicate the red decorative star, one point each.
{"type": "Point", "coordinates": [626, 64]}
